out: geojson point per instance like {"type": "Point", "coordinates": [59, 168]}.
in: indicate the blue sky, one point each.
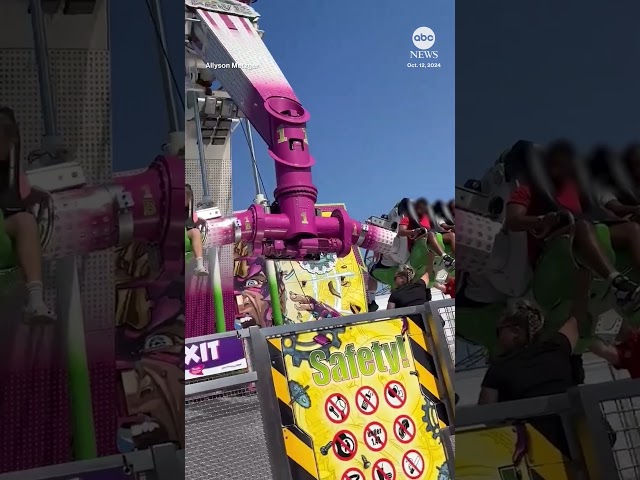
{"type": "Point", "coordinates": [378, 130]}
{"type": "Point", "coordinates": [541, 70]}
{"type": "Point", "coordinates": [140, 125]}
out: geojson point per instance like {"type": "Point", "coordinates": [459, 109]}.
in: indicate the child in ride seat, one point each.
{"type": "Point", "coordinates": [193, 232]}
{"type": "Point", "coordinates": [527, 211]}
{"type": "Point", "coordinates": [20, 224]}
{"type": "Point", "coordinates": [412, 234]}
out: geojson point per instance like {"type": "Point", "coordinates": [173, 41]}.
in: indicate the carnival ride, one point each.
{"type": "Point", "coordinates": [498, 259]}
{"type": "Point", "coordinates": [291, 227]}
{"type": "Point", "coordinates": [76, 218]}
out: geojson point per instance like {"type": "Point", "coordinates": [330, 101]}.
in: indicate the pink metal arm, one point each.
{"type": "Point", "coordinates": [292, 230]}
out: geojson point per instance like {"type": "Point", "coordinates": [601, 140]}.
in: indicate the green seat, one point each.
{"type": "Point", "coordinates": [552, 287]}
{"type": "Point", "coordinates": [187, 242]}
{"type": "Point", "coordinates": [7, 253]}
{"type": "Point", "coordinates": [418, 260]}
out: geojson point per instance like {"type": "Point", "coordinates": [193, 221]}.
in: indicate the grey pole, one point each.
{"type": "Point", "coordinates": [254, 164]}
{"type": "Point", "coordinates": [44, 73]}
{"type": "Point", "coordinates": [201, 160]}
{"type": "Point", "coordinates": [175, 122]}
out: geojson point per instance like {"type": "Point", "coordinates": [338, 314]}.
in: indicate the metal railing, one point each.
{"type": "Point", "coordinates": [159, 462]}
{"type": "Point", "coordinates": [600, 424]}
{"type": "Point", "coordinates": [233, 423]}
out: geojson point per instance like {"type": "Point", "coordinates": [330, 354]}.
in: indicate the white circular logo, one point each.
{"type": "Point", "coordinates": [423, 38]}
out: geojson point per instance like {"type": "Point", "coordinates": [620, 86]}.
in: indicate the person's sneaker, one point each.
{"type": "Point", "coordinates": [449, 262]}
{"type": "Point", "coordinates": [201, 271]}
{"type": "Point", "coordinates": [627, 293]}
{"type": "Point", "coordinates": [38, 315]}
{"type": "Point", "coordinates": [372, 307]}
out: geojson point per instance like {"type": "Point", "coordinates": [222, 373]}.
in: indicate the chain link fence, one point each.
{"type": "Point", "coordinates": [225, 435]}
{"type": "Point", "coordinates": [232, 422]}
{"type": "Point", "coordinates": [623, 416]}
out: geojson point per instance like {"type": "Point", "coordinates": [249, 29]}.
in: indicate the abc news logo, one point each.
{"type": "Point", "coordinates": [423, 38]}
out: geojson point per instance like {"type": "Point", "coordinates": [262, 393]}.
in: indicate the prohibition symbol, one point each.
{"type": "Point", "coordinates": [383, 470]}
{"type": "Point", "coordinates": [413, 464]}
{"type": "Point", "coordinates": [345, 445]}
{"type": "Point", "coordinates": [367, 400]}
{"type": "Point", "coordinates": [405, 429]}
{"type": "Point", "coordinates": [352, 474]}
{"type": "Point", "coordinates": [395, 394]}
{"type": "Point", "coordinates": [337, 408]}
{"type": "Point", "coordinates": [375, 436]}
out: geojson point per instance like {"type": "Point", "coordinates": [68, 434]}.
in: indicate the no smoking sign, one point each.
{"type": "Point", "coordinates": [413, 464]}
{"type": "Point", "coordinates": [367, 400]}
{"type": "Point", "coordinates": [375, 436]}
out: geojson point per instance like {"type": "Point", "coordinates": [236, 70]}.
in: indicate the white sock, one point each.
{"type": "Point", "coordinates": [199, 263]}
{"type": "Point", "coordinates": [35, 294]}
{"type": "Point", "coordinates": [371, 297]}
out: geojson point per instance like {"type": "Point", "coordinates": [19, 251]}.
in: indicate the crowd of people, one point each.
{"type": "Point", "coordinates": [415, 226]}
{"type": "Point", "coordinates": [530, 362]}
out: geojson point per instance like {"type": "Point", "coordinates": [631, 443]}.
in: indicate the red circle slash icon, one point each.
{"type": "Point", "coordinates": [345, 445]}
{"type": "Point", "coordinates": [383, 469]}
{"type": "Point", "coordinates": [404, 429]}
{"type": "Point", "coordinates": [413, 464]}
{"type": "Point", "coordinates": [367, 400]}
{"type": "Point", "coordinates": [395, 394]}
{"type": "Point", "coordinates": [337, 408]}
{"type": "Point", "coordinates": [375, 436]}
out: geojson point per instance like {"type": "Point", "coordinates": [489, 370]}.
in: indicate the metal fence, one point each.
{"type": "Point", "coordinates": [225, 434]}
{"type": "Point", "coordinates": [600, 424]}
{"type": "Point", "coordinates": [160, 462]}
{"type": "Point", "coordinates": [233, 425]}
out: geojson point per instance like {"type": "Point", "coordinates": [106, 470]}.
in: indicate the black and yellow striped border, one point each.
{"type": "Point", "coordinates": [299, 447]}
{"type": "Point", "coordinates": [426, 368]}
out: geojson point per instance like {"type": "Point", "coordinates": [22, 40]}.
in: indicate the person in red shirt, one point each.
{"type": "Point", "coordinates": [528, 212]}
{"type": "Point", "coordinates": [623, 356]}
{"type": "Point", "coordinates": [412, 234]}
{"type": "Point", "coordinates": [19, 223]}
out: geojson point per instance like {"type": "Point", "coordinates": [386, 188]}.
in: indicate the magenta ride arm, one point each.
{"type": "Point", "coordinates": [145, 206]}
{"type": "Point", "coordinates": [254, 81]}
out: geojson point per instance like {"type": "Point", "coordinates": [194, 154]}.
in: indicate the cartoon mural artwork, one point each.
{"type": "Point", "coordinates": [251, 289]}
{"type": "Point", "coordinates": [150, 356]}
{"type": "Point", "coordinates": [329, 287]}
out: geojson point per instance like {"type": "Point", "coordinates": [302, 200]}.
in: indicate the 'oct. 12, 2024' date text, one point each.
{"type": "Point", "coordinates": [423, 65]}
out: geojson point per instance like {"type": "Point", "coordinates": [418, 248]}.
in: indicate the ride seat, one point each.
{"type": "Point", "coordinates": [400, 247]}
{"type": "Point", "coordinates": [201, 225]}
{"type": "Point", "coordinates": [36, 200]}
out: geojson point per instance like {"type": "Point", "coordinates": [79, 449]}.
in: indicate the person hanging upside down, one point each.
{"type": "Point", "coordinates": [20, 224]}
{"type": "Point", "coordinates": [412, 234]}
{"type": "Point", "coordinates": [527, 212]}
{"type": "Point", "coordinates": [193, 232]}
